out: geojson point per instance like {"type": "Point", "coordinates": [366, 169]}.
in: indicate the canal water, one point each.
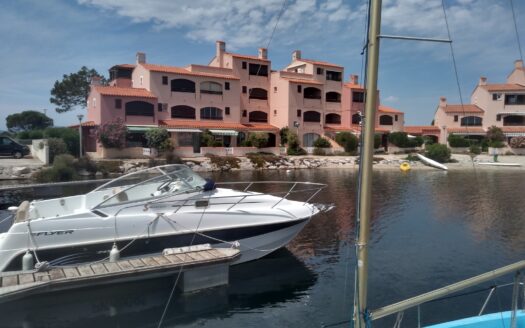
{"type": "Point", "coordinates": [429, 229]}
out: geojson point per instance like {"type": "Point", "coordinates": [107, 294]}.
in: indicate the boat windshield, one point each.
{"type": "Point", "coordinates": [150, 183]}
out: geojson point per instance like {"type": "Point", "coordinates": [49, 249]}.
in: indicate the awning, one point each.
{"type": "Point", "coordinates": [224, 132]}
{"type": "Point", "coordinates": [184, 130]}
{"type": "Point", "coordinates": [514, 134]}
{"type": "Point", "coordinates": [512, 113]}
{"type": "Point", "coordinates": [140, 128]}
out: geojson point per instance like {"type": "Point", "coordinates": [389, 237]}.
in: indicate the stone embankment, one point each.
{"type": "Point", "coordinates": [16, 172]}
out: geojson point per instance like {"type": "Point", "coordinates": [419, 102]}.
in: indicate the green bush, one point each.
{"type": "Point", "coordinates": [319, 152]}
{"type": "Point", "coordinates": [438, 152]}
{"type": "Point", "coordinates": [458, 141]}
{"type": "Point", "coordinates": [62, 170]}
{"type": "Point", "coordinates": [23, 135]}
{"type": "Point", "coordinates": [495, 137]}
{"type": "Point", "coordinates": [36, 134]}
{"type": "Point", "coordinates": [84, 163]}
{"type": "Point", "coordinates": [294, 148]}
{"type": "Point", "coordinates": [217, 143]}
{"type": "Point", "coordinates": [56, 147]}
{"type": "Point", "coordinates": [428, 140]}
{"type": "Point", "coordinates": [70, 137]}
{"type": "Point", "coordinates": [399, 139]}
{"type": "Point", "coordinates": [475, 149]}
{"type": "Point", "coordinates": [322, 143]}
{"type": "Point", "coordinates": [258, 139]}
{"type": "Point", "coordinates": [158, 138]}
{"type": "Point", "coordinates": [225, 163]}
{"type": "Point", "coordinates": [377, 141]}
{"type": "Point", "coordinates": [246, 143]}
{"type": "Point", "coordinates": [171, 158]}
{"type": "Point", "coordinates": [109, 166]}
{"type": "Point", "coordinates": [207, 139]}
{"type": "Point", "coordinates": [259, 159]}
{"type": "Point", "coordinates": [284, 135]}
{"type": "Point", "coordinates": [347, 140]}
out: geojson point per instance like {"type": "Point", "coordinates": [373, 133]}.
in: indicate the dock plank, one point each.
{"type": "Point", "coordinates": [112, 267]}
{"type": "Point", "coordinates": [99, 268]}
{"type": "Point", "coordinates": [196, 256]}
{"type": "Point", "coordinates": [162, 260]}
{"type": "Point", "coordinates": [137, 263]}
{"type": "Point", "coordinates": [71, 272]}
{"type": "Point", "coordinates": [173, 258]}
{"type": "Point", "coordinates": [25, 278]}
{"type": "Point", "coordinates": [10, 281]}
{"type": "Point", "coordinates": [41, 276]}
{"type": "Point", "coordinates": [125, 265]}
{"type": "Point", "coordinates": [85, 270]}
{"type": "Point", "coordinates": [206, 255]}
{"type": "Point", "coordinates": [150, 262]}
{"type": "Point", "coordinates": [183, 258]}
{"type": "Point", "coordinates": [55, 274]}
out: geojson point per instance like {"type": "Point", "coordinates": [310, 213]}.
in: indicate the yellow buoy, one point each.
{"type": "Point", "coordinates": [404, 166]}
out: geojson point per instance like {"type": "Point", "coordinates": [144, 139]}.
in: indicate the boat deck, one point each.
{"type": "Point", "coordinates": [201, 269]}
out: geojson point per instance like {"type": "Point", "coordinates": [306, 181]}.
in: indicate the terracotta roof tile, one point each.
{"type": "Point", "coordinates": [385, 109]}
{"type": "Point", "coordinates": [292, 80]}
{"type": "Point", "coordinates": [124, 92]}
{"type": "Point", "coordinates": [246, 57]}
{"type": "Point", "coordinates": [320, 63]}
{"type": "Point", "coordinates": [354, 86]}
{"type": "Point", "coordinates": [468, 108]}
{"type": "Point", "coordinates": [420, 129]}
{"type": "Point", "coordinates": [377, 129]}
{"type": "Point", "coordinates": [511, 129]}
{"type": "Point", "coordinates": [504, 87]}
{"type": "Point", "coordinates": [87, 123]}
{"type": "Point", "coordinates": [190, 124]}
{"type": "Point", "coordinates": [183, 71]}
{"type": "Point", "coordinates": [466, 130]}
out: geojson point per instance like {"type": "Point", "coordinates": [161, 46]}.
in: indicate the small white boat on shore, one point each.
{"type": "Point", "coordinates": [431, 162]}
{"type": "Point", "coordinates": [499, 164]}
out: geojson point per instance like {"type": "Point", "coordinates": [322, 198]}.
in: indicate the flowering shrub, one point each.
{"type": "Point", "coordinates": [517, 142]}
{"type": "Point", "coordinates": [495, 137]}
{"type": "Point", "coordinates": [159, 138]}
{"type": "Point", "coordinates": [112, 134]}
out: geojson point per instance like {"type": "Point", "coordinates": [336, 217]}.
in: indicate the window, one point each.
{"type": "Point", "coordinates": [7, 141]}
{"type": "Point", "coordinates": [471, 121]}
{"type": "Point", "coordinates": [395, 118]}
{"type": "Point", "coordinates": [211, 113]}
{"type": "Point", "coordinates": [334, 76]}
{"type": "Point", "coordinates": [226, 110]}
{"type": "Point", "coordinates": [159, 107]}
{"type": "Point", "coordinates": [320, 71]}
{"type": "Point", "coordinates": [165, 80]}
{"type": "Point", "coordinates": [244, 113]}
{"type": "Point", "coordinates": [312, 116]}
{"type": "Point", "coordinates": [498, 117]}
{"type": "Point", "coordinates": [258, 93]}
{"type": "Point", "coordinates": [358, 96]}
{"type": "Point", "coordinates": [312, 93]}
{"type": "Point", "coordinates": [244, 89]}
{"type": "Point", "coordinates": [309, 139]}
{"type": "Point", "coordinates": [496, 96]}
{"type": "Point", "coordinates": [275, 112]}
{"type": "Point", "coordinates": [385, 120]}
{"type": "Point", "coordinates": [274, 89]}
{"type": "Point", "coordinates": [333, 119]}
{"type": "Point", "coordinates": [514, 99]}
{"type": "Point", "coordinates": [139, 108]}
{"type": "Point", "coordinates": [118, 103]}
{"type": "Point", "coordinates": [258, 116]}
{"type": "Point", "coordinates": [183, 111]}
{"type": "Point", "coordinates": [182, 85]}
{"type": "Point", "coordinates": [258, 70]}
{"type": "Point", "coordinates": [141, 79]}
{"type": "Point", "coordinates": [226, 85]}
{"type": "Point", "coordinates": [356, 119]}
{"type": "Point", "coordinates": [244, 65]}
{"type": "Point", "coordinates": [515, 120]}
{"type": "Point", "coordinates": [455, 118]}
{"type": "Point", "coordinates": [212, 88]}
{"type": "Point", "coordinates": [333, 97]}
{"type": "Point", "coordinates": [298, 113]}
{"type": "Point", "coordinates": [299, 89]}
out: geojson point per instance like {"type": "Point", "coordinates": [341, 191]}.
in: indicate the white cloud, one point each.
{"type": "Point", "coordinates": [391, 99]}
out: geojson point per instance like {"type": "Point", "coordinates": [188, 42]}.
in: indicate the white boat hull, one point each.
{"type": "Point", "coordinates": [431, 162]}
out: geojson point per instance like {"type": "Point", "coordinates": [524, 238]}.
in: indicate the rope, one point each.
{"type": "Point", "coordinates": [516, 29]}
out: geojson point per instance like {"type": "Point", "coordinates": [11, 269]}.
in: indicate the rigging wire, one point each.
{"type": "Point", "coordinates": [516, 29]}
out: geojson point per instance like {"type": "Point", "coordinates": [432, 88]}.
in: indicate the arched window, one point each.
{"type": "Point", "coordinates": [183, 111]}
{"type": "Point", "coordinates": [182, 85]}
{"type": "Point", "coordinates": [139, 108]}
{"type": "Point", "coordinates": [471, 121]}
{"type": "Point", "coordinates": [258, 116]}
{"type": "Point", "coordinates": [356, 119]}
{"type": "Point", "coordinates": [513, 120]}
{"type": "Point", "coordinates": [213, 88]}
{"type": "Point", "coordinates": [258, 93]}
{"type": "Point", "coordinates": [312, 93]}
{"type": "Point", "coordinates": [333, 97]}
{"type": "Point", "coordinates": [211, 113]}
{"type": "Point", "coordinates": [309, 139]}
{"type": "Point", "coordinates": [312, 116]}
{"type": "Point", "coordinates": [333, 119]}
{"type": "Point", "coordinates": [386, 120]}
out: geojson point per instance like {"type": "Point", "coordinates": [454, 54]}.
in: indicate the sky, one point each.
{"type": "Point", "coordinates": [43, 40]}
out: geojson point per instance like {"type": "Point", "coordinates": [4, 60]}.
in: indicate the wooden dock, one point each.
{"type": "Point", "coordinates": [202, 268]}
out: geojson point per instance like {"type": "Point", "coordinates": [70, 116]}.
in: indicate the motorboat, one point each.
{"type": "Point", "coordinates": [151, 210]}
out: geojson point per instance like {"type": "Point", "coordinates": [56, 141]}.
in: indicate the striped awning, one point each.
{"type": "Point", "coordinates": [184, 130]}
{"type": "Point", "coordinates": [224, 132]}
{"type": "Point", "coordinates": [140, 128]}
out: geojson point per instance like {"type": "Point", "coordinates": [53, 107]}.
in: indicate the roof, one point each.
{"type": "Point", "coordinates": [467, 108]}
{"type": "Point", "coordinates": [385, 109]}
{"type": "Point", "coordinates": [338, 128]}
{"type": "Point", "coordinates": [247, 57]}
{"type": "Point", "coordinates": [292, 80]}
{"type": "Point", "coordinates": [354, 86]}
{"type": "Point", "coordinates": [377, 129]}
{"type": "Point", "coordinates": [87, 123]}
{"type": "Point", "coordinates": [512, 129]}
{"type": "Point", "coordinates": [124, 92]}
{"type": "Point", "coordinates": [503, 87]}
{"type": "Point", "coordinates": [320, 63]}
{"type": "Point", "coordinates": [421, 129]}
{"type": "Point", "coordinates": [191, 124]}
{"type": "Point", "coordinates": [466, 130]}
{"type": "Point", "coordinates": [183, 71]}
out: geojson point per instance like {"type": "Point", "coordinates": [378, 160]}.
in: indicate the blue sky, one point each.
{"type": "Point", "coordinates": [42, 40]}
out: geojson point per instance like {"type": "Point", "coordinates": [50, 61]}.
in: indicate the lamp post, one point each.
{"type": "Point", "coordinates": [80, 117]}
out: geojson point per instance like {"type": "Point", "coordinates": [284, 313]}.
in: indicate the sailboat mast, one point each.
{"type": "Point", "coordinates": [365, 188]}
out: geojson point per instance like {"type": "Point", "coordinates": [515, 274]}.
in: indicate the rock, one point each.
{"type": "Point", "coordinates": [19, 170]}
{"type": "Point", "coordinates": [99, 174]}
{"type": "Point", "coordinates": [84, 173]}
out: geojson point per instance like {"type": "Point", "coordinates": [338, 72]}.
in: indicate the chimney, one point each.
{"type": "Point", "coordinates": [296, 55]}
{"type": "Point", "coordinates": [354, 79]}
{"type": "Point", "coordinates": [220, 49]}
{"type": "Point", "coordinates": [141, 58]}
{"type": "Point", "coordinates": [263, 53]}
{"type": "Point", "coordinates": [482, 81]}
{"type": "Point", "coordinates": [96, 80]}
{"type": "Point", "coordinates": [518, 64]}
{"type": "Point", "coordinates": [442, 102]}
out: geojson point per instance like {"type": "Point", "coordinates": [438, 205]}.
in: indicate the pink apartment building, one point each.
{"type": "Point", "coordinates": [232, 96]}
{"type": "Point", "coordinates": [502, 105]}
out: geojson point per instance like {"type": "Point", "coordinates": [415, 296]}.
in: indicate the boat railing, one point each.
{"type": "Point", "coordinates": [444, 292]}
